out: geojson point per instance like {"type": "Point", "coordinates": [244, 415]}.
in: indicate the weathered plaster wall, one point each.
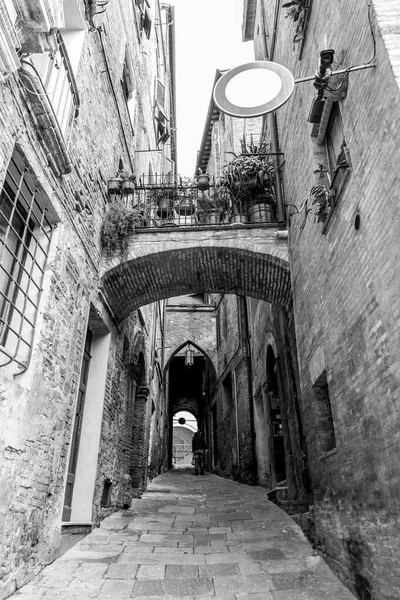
{"type": "Point", "coordinates": [37, 408]}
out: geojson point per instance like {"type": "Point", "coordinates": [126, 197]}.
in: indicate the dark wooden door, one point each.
{"type": "Point", "coordinates": [76, 435]}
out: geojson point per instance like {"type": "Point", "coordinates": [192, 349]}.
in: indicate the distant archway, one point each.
{"type": "Point", "coordinates": [184, 426]}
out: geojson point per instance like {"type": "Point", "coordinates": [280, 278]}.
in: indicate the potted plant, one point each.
{"type": "Point", "coordinates": [210, 207]}
{"type": "Point", "coordinates": [261, 208]}
{"type": "Point", "coordinates": [297, 10]}
{"type": "Point", "coordinates": [185, 205]}
{"type": "Point", "coordinates": [323, 198]}
{"type": "Point", "coordinates": [244, 171]}
{"type": "Point", "coordinates": [165, 204]}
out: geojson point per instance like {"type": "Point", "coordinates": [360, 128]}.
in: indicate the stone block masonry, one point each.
{"type": "Point", "coordinates": [191, 537]}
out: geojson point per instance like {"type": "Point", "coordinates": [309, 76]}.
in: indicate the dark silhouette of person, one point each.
{"type": "Point", "coordinates": [199, 448]}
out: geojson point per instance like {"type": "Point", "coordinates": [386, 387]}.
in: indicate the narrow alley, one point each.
{"type": "Point", "coordinates": [192, 537]}
{"type": "Point", "coordinates": [199, 259]}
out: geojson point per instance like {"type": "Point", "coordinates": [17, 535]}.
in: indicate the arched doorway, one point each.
{"type": "Point", "coordinates": [188, 373]}
{"type": "Point", "coordinates": [184, 425]}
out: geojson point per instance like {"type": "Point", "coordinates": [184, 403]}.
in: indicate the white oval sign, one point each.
{"type": "Point", "coordinates": [253, 89]}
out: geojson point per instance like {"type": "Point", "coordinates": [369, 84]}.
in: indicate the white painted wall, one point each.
{"type": "Point", "coordinates": [91, 429]}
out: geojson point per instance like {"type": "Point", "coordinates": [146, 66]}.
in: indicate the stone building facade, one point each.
{"type": "Point", "coordinates": [253, 419]}
{"type": "Point", "coordinates": [342, 206]}
{"type": "Point", "coordinates": [83, 96]}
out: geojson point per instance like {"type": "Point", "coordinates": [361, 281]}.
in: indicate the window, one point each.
{"type": "Point", "coordinates": [160, 113]}
{"type": "Point", "coordinates": [128, 88]}
{"type": "Point", "coordinates": [143, 17]}
{"type": "Point", "coordinates": [25, 234]}
{"type": "Point", "coordinates": [227, 396]}
{"type": "Point", "coordinates": [336, 150]}
{"type": "Point", "coordinates": [323, 413]}
{"type": "Point", "coordinates": [105, 500]}
{"type": "Point", "coordinates": [57, 70]}
{"type": "Point", "coordinates": [9, 42]}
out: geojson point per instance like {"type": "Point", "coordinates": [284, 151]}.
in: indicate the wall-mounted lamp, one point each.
{"type": "Point", "coordinates": [189, 357]}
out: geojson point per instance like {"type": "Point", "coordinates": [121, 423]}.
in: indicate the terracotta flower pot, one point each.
{"type": "Point", "coordinates": [114, 186]}
{"type": "Point", "coordinates": [203, 182]}
{"type": "Point", "coordinates": [127, 186]}
{"type": "Point", "coordinates": [260, 213]}
{"type": "Point", "coordinates": [185, 207]}
{"type": "Point", "coordinates": [165, 208]}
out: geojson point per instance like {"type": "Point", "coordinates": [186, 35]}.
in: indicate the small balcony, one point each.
{"type": "Point", "coordinates": [166, 201]}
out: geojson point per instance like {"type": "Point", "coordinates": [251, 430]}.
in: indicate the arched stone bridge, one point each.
{"type": "Point", "coordinates": [249, 260]}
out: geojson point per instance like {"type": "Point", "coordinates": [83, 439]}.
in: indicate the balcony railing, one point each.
{"type": "Point", "coordinates": [166, 201]}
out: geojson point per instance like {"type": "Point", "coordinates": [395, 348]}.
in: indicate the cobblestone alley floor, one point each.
{"type": "Point", "coordinates": [191, 538]}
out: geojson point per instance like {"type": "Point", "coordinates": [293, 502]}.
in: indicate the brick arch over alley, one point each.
{"type": "Point", "coordinates": [249, 261]}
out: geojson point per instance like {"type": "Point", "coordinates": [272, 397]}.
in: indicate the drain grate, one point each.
{"type": "Point", "coordinates": [267, 554]}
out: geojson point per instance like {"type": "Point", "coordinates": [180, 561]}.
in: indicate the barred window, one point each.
{"type": "Point", "coordinates": [25, 234]}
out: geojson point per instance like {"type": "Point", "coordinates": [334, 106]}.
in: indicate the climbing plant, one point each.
{"type": "Point", "coordinates": [297, 11]}
{"type": "Point", "coordinates": [119, 222]}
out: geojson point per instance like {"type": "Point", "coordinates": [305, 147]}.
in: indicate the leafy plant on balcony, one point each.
{"type": "Point", "coordinates": [245, 176]}
{"type": "Point", "coordinates": [297, 11]}
{"type": "Point", "coordinates": [119, 222]}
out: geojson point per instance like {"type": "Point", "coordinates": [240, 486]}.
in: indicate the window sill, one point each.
{"type": "Point", "coordinates": [327, 454]}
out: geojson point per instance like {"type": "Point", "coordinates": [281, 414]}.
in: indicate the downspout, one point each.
{"type": "Point", "coordinates": [236, 417]}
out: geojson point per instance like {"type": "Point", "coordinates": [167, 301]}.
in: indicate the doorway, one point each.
{"type": "Point", "coordinates": [77, 429]}
{"type": "Point", "coordinates": [184, 425]}
{"type": "Point", "coordinates": [278, 446]}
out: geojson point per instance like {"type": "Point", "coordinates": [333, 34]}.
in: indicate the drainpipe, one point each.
{"type": "Point", "coordinates": [237, 417]}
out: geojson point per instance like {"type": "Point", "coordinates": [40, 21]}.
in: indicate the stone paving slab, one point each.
{"type": "Point", "coordinates": [187, 539]}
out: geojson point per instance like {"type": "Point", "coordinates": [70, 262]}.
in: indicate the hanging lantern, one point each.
{"type": "Point", "coordinates": [189, 357]}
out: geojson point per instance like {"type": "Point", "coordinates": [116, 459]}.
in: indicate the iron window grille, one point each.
{"type": "Point", "coordinates": [25, 236]}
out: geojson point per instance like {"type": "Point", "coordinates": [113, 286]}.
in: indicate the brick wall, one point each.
{"type": "Point", "coordinates": [345, 286]}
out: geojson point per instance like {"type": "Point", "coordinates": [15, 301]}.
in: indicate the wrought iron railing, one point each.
{"type": "Point", "coordinates": [166, 201]}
